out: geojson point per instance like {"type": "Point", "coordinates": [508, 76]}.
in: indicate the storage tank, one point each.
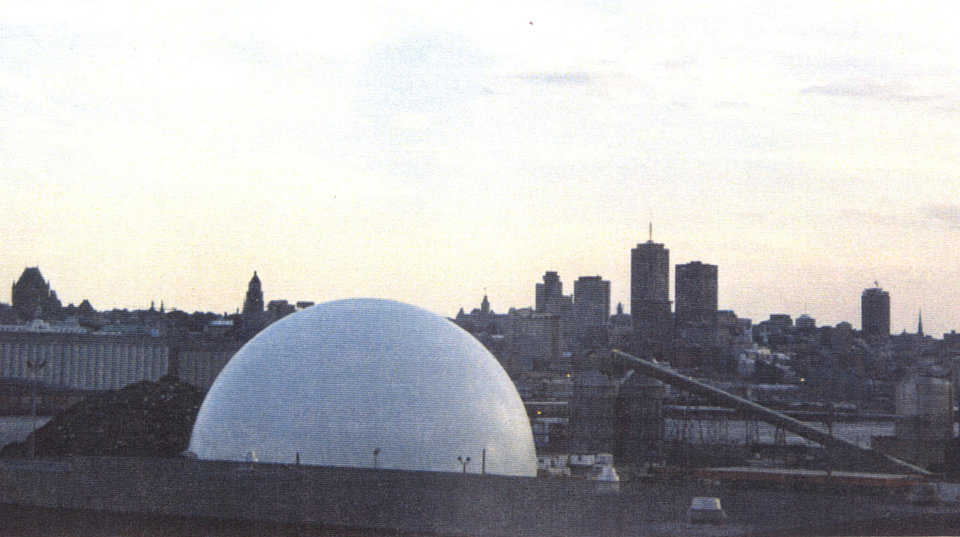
{"type": "Point", "coordinates": [924, 403]}
{"type": "Point", "coordinates": [639, 419]}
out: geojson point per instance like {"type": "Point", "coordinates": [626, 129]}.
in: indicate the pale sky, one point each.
{"type": "Point", "coordinates": [429, 152]}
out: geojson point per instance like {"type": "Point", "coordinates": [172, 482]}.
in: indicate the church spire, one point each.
{"type": "Point", "coordinates": [920, 323]}
{"type": "Point", "coordinates": [253, 303]}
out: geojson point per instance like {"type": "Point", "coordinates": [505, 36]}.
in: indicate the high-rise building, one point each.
{"type": "Point", "coordinates": [533, 340]}
{"type": "Point", "coordinates": [550, 299]}
{"type": "Point", "coordinates": [875, 312]}
{"type": "Point", "coordinates": [549, 291]}
{"type": "Point", "coordinates": [650, 291]}
{"type": "Point", "coordinates": [696, 299]}
{"type": "Point", "coordinates": [591, 305]}
{"type": "Point", "coordinates": [805, 322]}
{"type": "Point", "coordinates": [253, 304]}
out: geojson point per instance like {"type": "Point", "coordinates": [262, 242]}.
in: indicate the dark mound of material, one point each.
{"type": "Point", "coordinates": [146, 419]}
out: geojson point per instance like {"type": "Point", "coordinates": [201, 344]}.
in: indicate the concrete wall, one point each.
{"type": "Point", "coordinates": [84, 362]}
{"type": "Point", "coordinates": [444, 503]}
{"type": "Point", "coordinates": [201, 366]}
{"type": "Point", "coordinates": [103, 362]}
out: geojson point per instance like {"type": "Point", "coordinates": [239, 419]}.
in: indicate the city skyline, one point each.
{"type": "Point", "coordinates": [430, 153]}
{"type": "Point", "coordinates": [253, 286]}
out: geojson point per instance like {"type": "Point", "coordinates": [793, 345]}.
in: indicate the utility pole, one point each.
{"type": "Point", "coordinates": [34, 368]}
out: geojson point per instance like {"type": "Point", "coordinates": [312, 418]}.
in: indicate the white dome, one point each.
{"type": "Point", "coordinates": [339, 380]}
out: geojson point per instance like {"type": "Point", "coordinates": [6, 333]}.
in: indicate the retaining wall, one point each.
{"type": "Point", "coordinates": [443, 503]}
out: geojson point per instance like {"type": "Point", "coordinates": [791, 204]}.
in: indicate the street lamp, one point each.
{"type": "Point", "coordinates": [34, 368]}
{"type": "Point", "coordinates": [376, 451]}
{"type": "Point", "coordinates": [464, 462]}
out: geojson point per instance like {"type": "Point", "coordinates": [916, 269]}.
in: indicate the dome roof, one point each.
{"type": "Point", "coordinates": [337, 381]}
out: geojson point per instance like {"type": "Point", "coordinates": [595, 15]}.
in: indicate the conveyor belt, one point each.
{"type": "Point", "coordinates": [836, 445]}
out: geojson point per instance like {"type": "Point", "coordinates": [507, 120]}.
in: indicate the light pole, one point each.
{"type": "Point", "coordinates": [376, 451]}
{"type": "Point", "coordinates": [464, 462]}
{"type": "Point", "coordinates": [34, 368]}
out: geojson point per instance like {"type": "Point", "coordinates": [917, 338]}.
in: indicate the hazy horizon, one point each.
{"type": "Point", "coordinates": [431, 152]}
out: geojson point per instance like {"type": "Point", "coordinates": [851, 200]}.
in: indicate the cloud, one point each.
{"type": "Point", "coordinates": [948, 108]}
{"type": "Point", "coordinates": [732, 105]}
{"type": "Point", "coordinates": [558, 79]}
{"type": "Point", "coordinates": [923, 218]}
{"type": "Point", "coordinates": [947, 214]}
{"type": "Point", "coordinates": [897, 92]}
{"type": "Point", "coordinates": [679, 64]}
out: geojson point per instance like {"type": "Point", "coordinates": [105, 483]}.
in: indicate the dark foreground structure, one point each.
{"type": "Point", "coordinates": [190, 497]}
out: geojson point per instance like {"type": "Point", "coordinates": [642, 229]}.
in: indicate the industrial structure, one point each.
{"type": "Point", "coordinates": [925, 417]}
{"type": "Point", "coordinates": [852, 453]}
{"type": "Point", "coordinates": [350, 382]}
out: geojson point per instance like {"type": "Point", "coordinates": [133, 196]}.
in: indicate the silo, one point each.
{"type": "Point", "coordinates": [924, 403]}
{"type": "Point", "coordinates": [639, 419]}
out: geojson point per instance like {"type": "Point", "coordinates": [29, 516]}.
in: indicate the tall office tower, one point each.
{"type": "Point", "coordinates": [253, 304]}
{"type": "Point", "coordinates": [591, 305]}
{"type": "Point", "coordinates": [875, 312]}
{"type": "Point", "coordinates": [534, 340]}
{"type": "Point", "coordinates": [549, 291]}
{"type": "Point", "coordinates": [550, 299]}
{"type": "Point", "coordinates": [650, 291]}
{"type": "Point", "coordinates": [696, 300]}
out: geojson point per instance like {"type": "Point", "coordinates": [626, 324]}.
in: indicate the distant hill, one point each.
{"type": "Point", "coordinates": [145, 419]}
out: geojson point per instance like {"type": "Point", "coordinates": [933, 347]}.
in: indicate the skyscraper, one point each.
{"type": "Point", "coordinates": [550, 299]}
{"type": "Point", "coordinates": [696, 299]}
{"type": "Point", "coordinates": [591, 304]}
{"type": "Point", "coordinates": [875, 312]}
{"type": "Point", "coordinates": [549, 291]}
{"type": "Point", "coordinates": [650, 291]}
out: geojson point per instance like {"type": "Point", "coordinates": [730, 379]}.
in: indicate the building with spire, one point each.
{"type": "Point", "coordinates": [253, 303]}
{"type": "Point", "coordinates": [253, 317]}
{"type": "Point", "coordinates": [482, 319]}
{"type": "Point", "coordinates": [650, 292]}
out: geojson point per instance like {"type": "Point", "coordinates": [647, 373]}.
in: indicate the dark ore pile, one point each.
{"type": "Point", "coordinates": [145, 419]}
